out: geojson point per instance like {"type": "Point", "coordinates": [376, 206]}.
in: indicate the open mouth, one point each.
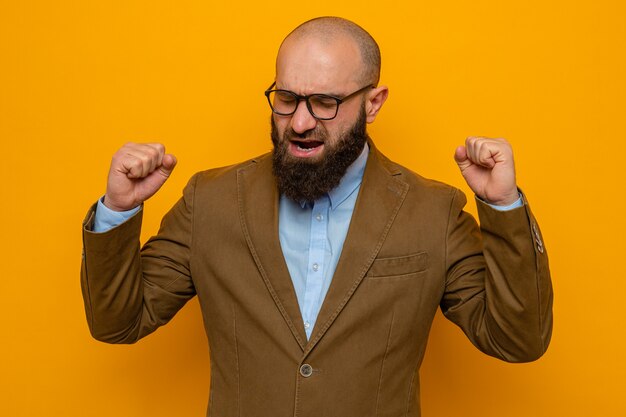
{"type": "Point", "coordinates": [307, 145]}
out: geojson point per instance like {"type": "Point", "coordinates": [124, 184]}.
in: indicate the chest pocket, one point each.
{"type": "Point", "coordinates": [398, 266]}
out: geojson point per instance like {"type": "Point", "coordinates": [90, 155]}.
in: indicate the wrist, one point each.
{"type": "Point", "coordinates": [516, 204]}
{"type": "Point", "coordinates": [505, 201]}
{"type": "Point", "coordinates": [106, 201]}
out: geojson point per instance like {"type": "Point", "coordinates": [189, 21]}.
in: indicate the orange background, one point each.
{"type": "Point", "coordinates": [80, 78]}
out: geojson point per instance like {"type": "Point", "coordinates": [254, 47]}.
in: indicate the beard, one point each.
{"type": "Point", "coordinates": [306, 180]}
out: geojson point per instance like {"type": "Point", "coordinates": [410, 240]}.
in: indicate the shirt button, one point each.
{"type": "Point", "coordinates": [307, 324]}
{"type": "Point", "coordinates": [319, 217]}
{"type": "Point", "coordinates": [316, 267]}
{"type": "Point", "coordinates": [306, 370]}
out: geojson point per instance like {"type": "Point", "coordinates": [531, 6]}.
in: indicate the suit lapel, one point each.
{"type": "Point", "coordinates": [380, 197]}
{"type": "Point", "coordinates": [258, 210]}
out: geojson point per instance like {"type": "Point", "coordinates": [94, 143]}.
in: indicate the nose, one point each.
{"type": "Point", "coordinates": [302, 120]}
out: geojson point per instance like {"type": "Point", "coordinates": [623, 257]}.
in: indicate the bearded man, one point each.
{"type": "Point", "coordinates": [319, 267]}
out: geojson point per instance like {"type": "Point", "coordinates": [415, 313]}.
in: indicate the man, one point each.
{"type": "Point", "coordinates": [319, 268]}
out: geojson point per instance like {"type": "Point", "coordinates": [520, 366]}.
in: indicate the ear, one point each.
{"type": "Point", "coordinates": [375, 100]}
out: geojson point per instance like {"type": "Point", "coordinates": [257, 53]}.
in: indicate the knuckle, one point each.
{"type": "Point", "coordinates": [134, 162]}
{"type": "Point", "coordinates": [119, 156]}
{"type": "Point", "coordinates": [145, 158]}
{"type": "Point", "coordinates": [147, 155]}
{"type": "Point", "coordinates": [151, 149]}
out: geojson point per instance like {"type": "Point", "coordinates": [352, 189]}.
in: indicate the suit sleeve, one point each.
{"type": "Point", "coordinates": [129, 292]}
{"type": "Point", "coordinates": [498, 287]}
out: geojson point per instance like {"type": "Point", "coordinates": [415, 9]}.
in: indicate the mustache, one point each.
{"type": "Point", "coordinates": [315, 133]}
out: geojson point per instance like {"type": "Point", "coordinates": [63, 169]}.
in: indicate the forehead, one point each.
{"type": "Point", "coordinates": [310, 64]}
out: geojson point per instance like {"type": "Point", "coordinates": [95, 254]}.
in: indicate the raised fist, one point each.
{"type": "Point", "coordinates": [137, 172]}
{"type": "Point", "coordinates": [488, 168]}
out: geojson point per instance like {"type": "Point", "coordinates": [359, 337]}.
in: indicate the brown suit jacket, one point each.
{"type": "Point", "coordinates": [409, 250]}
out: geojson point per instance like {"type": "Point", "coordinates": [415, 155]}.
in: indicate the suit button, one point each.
{"type": "Point", "coordinates": [306, 370]}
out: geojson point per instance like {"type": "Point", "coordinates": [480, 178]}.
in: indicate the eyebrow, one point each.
{"type": "Point", "coordinates": [326, 94]}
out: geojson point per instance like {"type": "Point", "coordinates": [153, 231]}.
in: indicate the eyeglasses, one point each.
{"type": "Point", "coordinates": [321, 106]}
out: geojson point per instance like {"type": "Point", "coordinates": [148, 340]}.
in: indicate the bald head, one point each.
{"type": "Point", "coordinates": [329, 30]}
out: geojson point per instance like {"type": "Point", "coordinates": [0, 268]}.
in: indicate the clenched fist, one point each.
{"type": "Point", "coordinates": [137, 171]}
{"type": "Point", "coordinates": [488, 168]}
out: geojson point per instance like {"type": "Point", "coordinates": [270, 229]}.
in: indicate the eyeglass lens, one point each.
{"type": "Point", "coordinates": [322, 106]}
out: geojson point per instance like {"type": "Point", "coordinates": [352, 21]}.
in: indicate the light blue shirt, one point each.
{"type": "Point", "coordinates": [311, 236]}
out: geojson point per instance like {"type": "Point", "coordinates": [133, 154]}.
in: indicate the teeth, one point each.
{"type": "Point", "coordinates": [305, 149]}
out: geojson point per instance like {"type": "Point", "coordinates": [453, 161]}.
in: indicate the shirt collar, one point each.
{"type": "Point", "coordinates": [350, 181]}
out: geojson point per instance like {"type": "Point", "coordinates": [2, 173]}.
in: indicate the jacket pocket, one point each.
{"type": "Point", "coordinates": [398, 266]}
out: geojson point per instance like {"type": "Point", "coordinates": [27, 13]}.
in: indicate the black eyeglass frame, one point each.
{"type": "Point", "coordinates": [298, 98]}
